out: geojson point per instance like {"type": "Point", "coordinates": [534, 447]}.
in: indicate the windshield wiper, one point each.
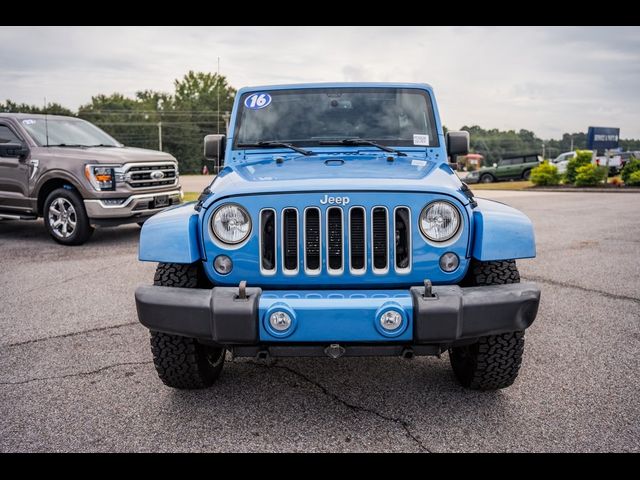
{"type": "Point", "coordinates": [362, 141]}
{"type": "Point", "coordinates": [274, 144]}
{"type": "Point", "coordinates": [67, 145]}
{"type": "Point", "coordinates": [101, 145]}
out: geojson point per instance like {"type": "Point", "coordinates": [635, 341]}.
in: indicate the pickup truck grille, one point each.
{"type": "Point", "coordinates": [335, 240]}
{"type": "Point", "coordinates": [153, 175]}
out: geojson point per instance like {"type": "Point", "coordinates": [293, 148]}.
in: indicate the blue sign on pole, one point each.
{"type": "Point", "coordinates": [603, 138]}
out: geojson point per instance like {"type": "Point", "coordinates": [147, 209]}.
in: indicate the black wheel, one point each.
{"type": "Point", "coordinates": [65, 217]}
{"type": "Point", "coordinates": [183, 362]}
{"type": "Point", "coordinates": [492, 362]}
{"type": "Point", "coordinates": [486, 178]}
{"type": "Point", "coordinates": [526, 175]}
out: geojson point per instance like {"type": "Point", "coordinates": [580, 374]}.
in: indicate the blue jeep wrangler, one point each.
{"type": "Point", "coordinates": [337, 228]}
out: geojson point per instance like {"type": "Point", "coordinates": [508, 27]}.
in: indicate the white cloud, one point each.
{"type": "Point", "coordinates": [550, 80]}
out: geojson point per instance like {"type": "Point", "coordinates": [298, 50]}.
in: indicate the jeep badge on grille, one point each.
{"type": "Point", "coordinates": [335, 200]}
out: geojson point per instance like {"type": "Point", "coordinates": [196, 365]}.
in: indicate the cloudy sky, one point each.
{"type": "Point", "coordinates": [547, 79]}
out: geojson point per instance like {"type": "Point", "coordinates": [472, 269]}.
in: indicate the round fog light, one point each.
{"type": "Point", "coordinates": [223, 264]}
{"type": "Point", "coordinates": [449, 262]}
{"type": "Point", "coordinates": [280, 321]}
{"type": "Point", "coordinates": [391, 320]}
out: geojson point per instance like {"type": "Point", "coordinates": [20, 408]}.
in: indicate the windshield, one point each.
{"type": "Point", "coordinates": [308, 117]}
{"type": "Point", "coordinates": [67, 131]}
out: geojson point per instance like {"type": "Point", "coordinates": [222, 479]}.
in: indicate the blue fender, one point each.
{"type": "Point", "coordinates": [501, 232]}
{"type": "Point", "coordinates": [171, 236]}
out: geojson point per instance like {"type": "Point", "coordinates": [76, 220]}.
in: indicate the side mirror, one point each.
{"type": "Point", "coordinates": [13, 150]}
{"type": "Point", "coordinates": [495, 164]}
{"type": "Point", "coordinates": [457, 143]}
{"type": "Point", "coordinates": [214, 146]}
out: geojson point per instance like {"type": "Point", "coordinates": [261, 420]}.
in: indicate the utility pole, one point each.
{"type": "Point", "coordinates": [571, 149]}
{"type": "Point", "coordinates": [160, 136]}
{"type": "Point", "coordinates": [543, 150]}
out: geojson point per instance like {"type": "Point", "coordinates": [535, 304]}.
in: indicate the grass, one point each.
{"type": "Point", "coordinates": [521, 185]}
{"type": "Point", "coordinates": [191, 196]}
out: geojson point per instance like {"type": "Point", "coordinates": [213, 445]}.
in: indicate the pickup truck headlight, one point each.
{"type": "Point", "coordinates": [101, 178]}
{"type": "Point", "coordinates": [231, 223]}
{"type": "Point", "coordinates": [439, 221]}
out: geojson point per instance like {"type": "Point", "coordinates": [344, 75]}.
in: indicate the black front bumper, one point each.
{"type": "Point", "coordinates": [452, 315]}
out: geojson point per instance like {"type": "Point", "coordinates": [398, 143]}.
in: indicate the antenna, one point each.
{"type": "Point", "coordinates": [46, 123]}
{"type": "Point", "coordinates": [218, 92]}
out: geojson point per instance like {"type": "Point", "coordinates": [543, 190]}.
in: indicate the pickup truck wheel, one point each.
{"type": "Point", "coordinates": [183, 362]}
{"type": "Point", "coordinates": [486, 178]}
{"type": "Point", "coordinates": [493, 361]}
{"type": "Point", "coordinates": [526, 175]}
{"type": "Point", "coordinates": [65, 217]}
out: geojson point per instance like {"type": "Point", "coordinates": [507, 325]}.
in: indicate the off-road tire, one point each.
{"type": "Point", "coordinates": [183, 362]}
{"type": "Point", "coordinates": [493, 362]}
{"type": "Point", "coordinates": [486, 178]}
{"type": "Point", "coordinates": [492, 273]}
{"type": "Point", "coordinates": [83, 229]}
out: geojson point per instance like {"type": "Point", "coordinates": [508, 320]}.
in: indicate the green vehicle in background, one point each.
{"type": "Point", "coordinates": [516, 167]}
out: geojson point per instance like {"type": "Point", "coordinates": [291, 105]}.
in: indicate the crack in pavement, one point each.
{"type": "Point", "coordinates": [77, 374]}
{"type": "Point", "coordinates": [581, 288]}
{"type": "Point", "coordinates": [66, 335]}
{"type": "Point", "coordinates": [351, 406]}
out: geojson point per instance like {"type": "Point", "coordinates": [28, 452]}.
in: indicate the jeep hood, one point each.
{"type": "Point", "coordinates": [109, 155]}
{"type": "Point", "coordinates": [331, 173]}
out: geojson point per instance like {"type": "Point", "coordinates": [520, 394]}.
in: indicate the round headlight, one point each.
{"type": "Point", "coordinates": [439, 221]}
{"type": "Point", "coordinates": [231, 223]}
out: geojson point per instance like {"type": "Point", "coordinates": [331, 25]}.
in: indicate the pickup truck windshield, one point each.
{"type": "Point", "coordinates": [67, 132]}
{"type": "Point", "coordinates": [312, 117]}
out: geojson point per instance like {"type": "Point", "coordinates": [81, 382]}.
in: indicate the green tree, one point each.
{"type": "Point", "coordinates": [51, 108]}
{"type": "Point", "coordinates": [634, 179]}
{"type": "Point", "coordinates": [198, 98]}
{"type": "Point", "coordinates": [632, 166]}
{"type": "Point", "coordinates": [583, 157]}
{"type": "Point", "coordinates": [545, 174]}
{"type": "Point", "coordinates": [495, 144]}
{"type": "Point", "coordinates": [589, 175]}
{"type": "Point", "coordinates": [128, 120]}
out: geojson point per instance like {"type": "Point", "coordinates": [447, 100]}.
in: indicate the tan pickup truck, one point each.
{"type": "Point", "coordinates": [76, 176]}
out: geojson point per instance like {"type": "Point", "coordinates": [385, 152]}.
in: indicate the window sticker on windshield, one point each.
{"type": "Point", "coordinates": [28, 121]}
{"type": "Point", "coordinates": [421, 140]}
{"type": "Point", "coordinates": [257, 101]}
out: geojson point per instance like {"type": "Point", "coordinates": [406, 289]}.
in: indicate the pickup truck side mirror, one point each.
{"type": "Point", "coordinates": [495, 164]}
{"type": "Point", "coordinates": [457, 143]}
{"type": "Point", "coordinates": [13, 150]}
{"type": "Point", "coordinates": [214, 146]}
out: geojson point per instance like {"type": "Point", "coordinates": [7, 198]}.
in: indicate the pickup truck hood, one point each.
{"type": "Point", "coordinates": [331, 173]}
{"type": "Point", "coordinates": [110, 155]}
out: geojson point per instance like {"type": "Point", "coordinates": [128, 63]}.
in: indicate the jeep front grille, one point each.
{"type": "Point", "coordinates": [335, 240]}
{"type": "Point", "coordinates": [151, 175]}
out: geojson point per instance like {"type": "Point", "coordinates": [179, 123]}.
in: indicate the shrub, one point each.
{"type": "Point", "coordinates": [634, 179]}
{"type": "Point", "coordinates": [583, 157]}
{"type": "Point", "coordinates": [471, 167]}
{"type": "Point", "coordinates": [589, 175]}
{"type": "Point", "coordinates": [545, 174]}
{"type": "Point", "coordinates": [632, 166]}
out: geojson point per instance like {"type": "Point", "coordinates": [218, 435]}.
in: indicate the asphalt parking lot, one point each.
{"type": "Point", "coordinates": [76, 371]}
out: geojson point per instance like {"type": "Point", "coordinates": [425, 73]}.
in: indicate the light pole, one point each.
{"type": "Point", "coordinates": [160, 136]}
